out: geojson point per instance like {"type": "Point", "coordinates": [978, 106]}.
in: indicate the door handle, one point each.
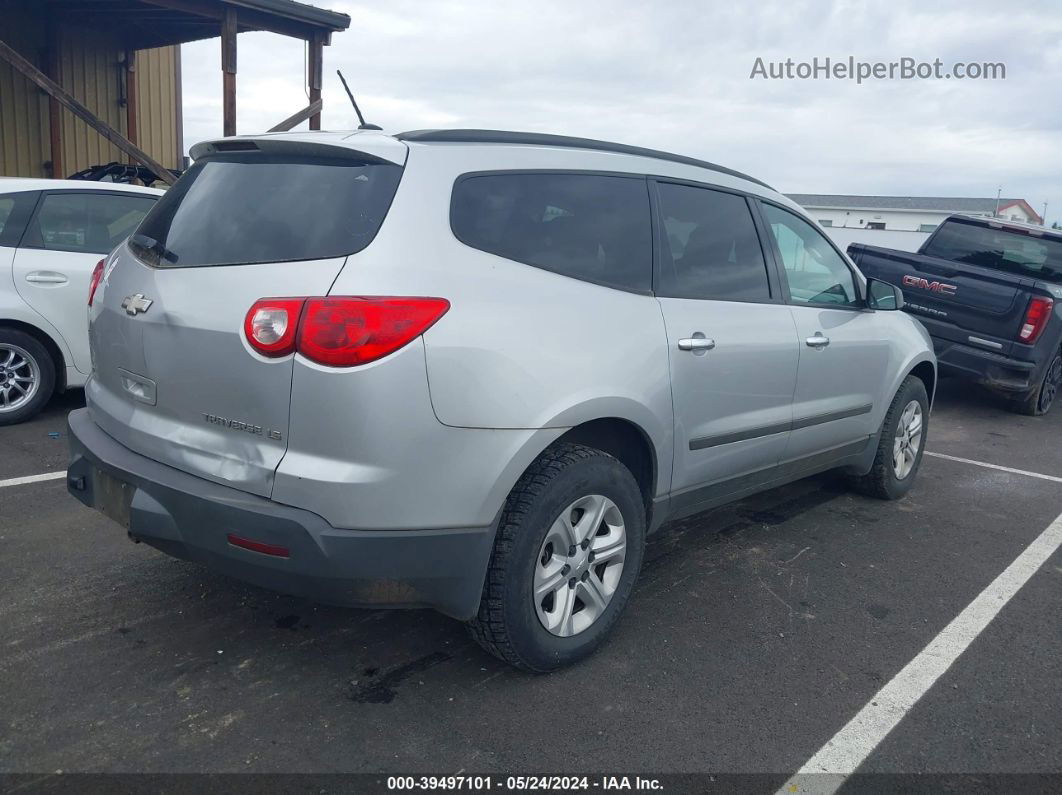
{"type": "Point", "coordinates": [696, 344]}
{"type": "Point", "coordinates": [46, 277]}
{"type": "Point", "coordinates": [818, 341]}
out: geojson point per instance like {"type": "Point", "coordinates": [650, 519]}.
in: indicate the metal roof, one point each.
{"type": "Point", "coordinates": [931, 203]}
{"type": "Point", "coordinates": [543, 139]}
{"type": "Point", "coordinates": [301, 12]}
{"type": "Point", "coordinates": [156, 23]}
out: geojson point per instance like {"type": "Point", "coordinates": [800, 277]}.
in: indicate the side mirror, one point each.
{"type": "Point", "coordinates": [882, 295]}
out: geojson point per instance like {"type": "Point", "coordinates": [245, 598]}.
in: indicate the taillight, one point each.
{"type": "Point", "coordinates": [95, 279]}
{"type": "Point", "coordinates": [1036, 317]}
{"type": "Point", "coordinates": [271, 324]}
{"type": "Point", "coordinates": [341, 331]}
{"type": "Point", "coordinates": [348, 331]}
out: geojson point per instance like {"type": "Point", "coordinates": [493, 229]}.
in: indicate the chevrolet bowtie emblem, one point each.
{"type": "Point", "coordinates": [136, 303]}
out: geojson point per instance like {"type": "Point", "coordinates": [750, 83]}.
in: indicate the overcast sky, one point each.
{"type": "Point", "coordinates": [675, 75]}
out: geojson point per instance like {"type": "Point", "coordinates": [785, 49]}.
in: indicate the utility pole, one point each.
{"type": "Point", "coordinates": [998, 194]}
{"type": "Point", "coordinates": [1043, 218]}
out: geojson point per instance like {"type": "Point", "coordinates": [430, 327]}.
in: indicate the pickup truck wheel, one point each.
{"type": "Point", "coordinates": [1039, 401]}
{"type": "Point", "coordinates": [900, 445]}
{"type": "Point", "coordinates": [568, 550]}
{"type": "Point", "coordinates": [27, 376]}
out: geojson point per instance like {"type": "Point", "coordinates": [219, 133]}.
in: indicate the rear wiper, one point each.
{"type": "Point", "coordinates": [153, 246]}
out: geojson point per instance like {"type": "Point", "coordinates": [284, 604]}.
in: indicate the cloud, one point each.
{"type": "Point", "coordinates": [676, 76]}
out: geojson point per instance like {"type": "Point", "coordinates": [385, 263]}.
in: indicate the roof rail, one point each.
{"type": "Point", "coordinates": [544, 139]}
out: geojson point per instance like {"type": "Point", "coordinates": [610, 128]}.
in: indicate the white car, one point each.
{"type": "Point", "coordinates": [53, 234]}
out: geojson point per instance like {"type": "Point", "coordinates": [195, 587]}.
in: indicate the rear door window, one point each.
{"type": "Point", "coordinates": [711, 248]}
{"type": "Point", "coordinates": [93, 223]}
{"type": "Point", "coordinates": [236, 210]}
{"type": "Point", "coordinates": [587, 226]}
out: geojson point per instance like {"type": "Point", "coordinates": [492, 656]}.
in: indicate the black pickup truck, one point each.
{"type": "Point", "coordinates": [990, 294]}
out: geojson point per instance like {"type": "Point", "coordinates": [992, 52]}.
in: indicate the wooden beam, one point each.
{"type": "Point", "coordinates": [70, 103]}
{"type": "Point", "coordinates": [131, 127]}
{"type": "Point", "coordinates": [228, 67]}
{"type": "Point", "coordinates": [312, 109]}
{"type": "Point", "coordinates": [314, 77]}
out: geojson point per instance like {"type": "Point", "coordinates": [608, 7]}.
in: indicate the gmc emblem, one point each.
{"type": "Point", "coordinates": [925, 284]}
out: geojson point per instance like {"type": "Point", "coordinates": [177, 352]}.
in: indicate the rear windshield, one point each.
{"type": "Point", "coordinates": [239, 210]}
{"type": "Point", "coordinates": [1013, 251]}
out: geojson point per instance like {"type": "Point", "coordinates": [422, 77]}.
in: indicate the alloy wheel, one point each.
{"type": "Point", "coordinates": [20, 377]}
{"type": "Point", "coordinates": [579, 565]}
{"type": "Point", "coordinates": [908, 440]}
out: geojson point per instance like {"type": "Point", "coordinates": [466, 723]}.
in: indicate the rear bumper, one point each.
{"type": "Point", "coordinates": [991, 369]}
{"type": "Point", "coordinates": [192, 518]}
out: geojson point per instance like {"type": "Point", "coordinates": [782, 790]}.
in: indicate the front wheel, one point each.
{"type": "Point", "coordinates": [568, 550]}
{"type": "Point", "coordinates": [900, 445]}
{"type": "Point", "coordinates": [1039, 401]}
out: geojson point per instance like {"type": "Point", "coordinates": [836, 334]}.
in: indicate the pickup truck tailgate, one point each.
{"type": "Point", "coordinates": [957, 300]}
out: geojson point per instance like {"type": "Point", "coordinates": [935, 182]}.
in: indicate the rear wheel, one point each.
{"type": "Point", "coordinates": [1039, 401]}
{"type": "Point", "coordinates": [900, 445]}
{"type": "Point", "coordinates": [568, 551]}
{"type": "Point", "coordinates": [27, 376]}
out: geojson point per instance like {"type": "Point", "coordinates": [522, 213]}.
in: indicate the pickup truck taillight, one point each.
{"type": "Point", "coordinates": [339, 331]}
{"type": "Point", "coordinates": [1036, 317]}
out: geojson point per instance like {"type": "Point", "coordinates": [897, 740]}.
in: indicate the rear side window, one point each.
{"type": "Point", "coordinates": [240, 210]}
{"type": "Point", "coordinates": [587, 226]}
{"type": "Point", "coordinates": [15, 211]}
{"type": "Point", "coordinates": [999, 249]}
{"type": "Point", "coordinates": [7, 206]}
{"type": "Point", "coordinates": [93, 223]}
{"type": "Point", "coordinates": [712, 249]}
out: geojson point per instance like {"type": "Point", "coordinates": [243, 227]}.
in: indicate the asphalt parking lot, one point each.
{"type": "Point", "coordinates": [757, 632]}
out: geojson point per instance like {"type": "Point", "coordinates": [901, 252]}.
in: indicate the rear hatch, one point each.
{"type": "Point", "coordinates": [174, 377]}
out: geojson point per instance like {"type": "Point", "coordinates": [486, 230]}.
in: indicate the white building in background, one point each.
{"type": "Point", "coordinates": [902, 222]}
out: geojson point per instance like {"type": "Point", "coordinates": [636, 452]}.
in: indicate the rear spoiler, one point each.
{"type": "Point", "coordinates": [381, 149]}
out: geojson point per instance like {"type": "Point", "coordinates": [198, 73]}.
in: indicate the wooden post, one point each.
{"type": "Point", "coordinates": [178, 111]}
{"type": "Point", "coordinates": [131, 128]}
{"type": "Point", "coordinates": [228, 66]}
{"type": "Point", "coordinates": [55, 120]}
{"type": "Point", "coordinates": [314, 77]}
{"type": "Point", "coordinates": [71, 104]}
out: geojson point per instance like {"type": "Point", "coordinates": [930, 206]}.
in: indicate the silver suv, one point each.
{"type": "Point", "coordinates": [473, 370]}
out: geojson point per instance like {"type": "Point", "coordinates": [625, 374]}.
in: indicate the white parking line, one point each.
{"type": "Point", "coordinates": [986, 465]}
{"type": "Point", "coordinates": [33, 479]}
{"type": "Point", "coordinates": [827, 770]}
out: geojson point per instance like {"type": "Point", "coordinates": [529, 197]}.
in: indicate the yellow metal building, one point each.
{"type": "Point", "coordinates": [121, 60]}
{"type": "Point", "coordinates": [90, 63]}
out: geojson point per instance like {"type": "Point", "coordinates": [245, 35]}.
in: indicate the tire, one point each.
{"type": "Point", "coordinates": [1039, 401]}
{"type": "Point", "coordinates": [566, 480]}
{"type": "Point", "coordinates": [28, 386]}
{"type": "Point", "coordinates": [887, 479]}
